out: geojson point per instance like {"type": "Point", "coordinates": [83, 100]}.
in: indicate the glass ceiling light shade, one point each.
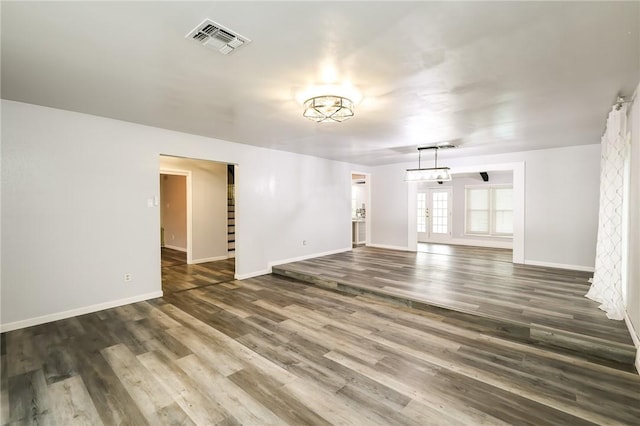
{"type": "Point", "coordinates": [439, 174]}
{"type": "Point", "coordinates": [432, 174]}
{"type": "Point", "coordinates": [328, 108]}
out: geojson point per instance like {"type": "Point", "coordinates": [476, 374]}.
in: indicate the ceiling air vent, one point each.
{"type": "Point", "coordinates": [216, 37]}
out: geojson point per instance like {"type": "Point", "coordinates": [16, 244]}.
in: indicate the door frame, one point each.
{"type": "Point", "coordinates": [429, 191]}
{"type": "Point", "coordinates": [187, 174]}
{"type": "Point", "coordinates": [367, 221]}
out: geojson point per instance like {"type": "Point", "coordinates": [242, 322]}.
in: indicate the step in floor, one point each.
{"type": "Point", "coordinates": [470, 286]}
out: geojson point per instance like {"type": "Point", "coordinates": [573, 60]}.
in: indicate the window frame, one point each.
{"type": "Point", "coordinates": [491, 211]}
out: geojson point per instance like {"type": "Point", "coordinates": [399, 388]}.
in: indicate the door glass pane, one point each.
{"type": "Point", "coordinates": [440, 213]}
{"type": "Point", "coordinates": [421, 213]}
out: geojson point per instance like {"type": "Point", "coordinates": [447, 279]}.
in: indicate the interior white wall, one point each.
{"type": "Point", "coordinates": [561, 203]}
{"type": "Point", "coordinates": [208, 204]}
{"type": "Point", "coordinates": [633, 254]}
{"type": "Point", "coordinates": [75, 214]}
{"type": "Point", "coordinates": [173, 210]}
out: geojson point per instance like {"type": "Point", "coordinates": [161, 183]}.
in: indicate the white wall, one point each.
{"type": "Point", "coordinates": [209, 206]}
{"type": "Point", "coordinates": [561, 203]}
{"type": "Point", "coordinates": [633, 264]}
{"type": "Point", "coordinates": [173, 210]}
{"type": "Point", "coordinates": [75, 218]}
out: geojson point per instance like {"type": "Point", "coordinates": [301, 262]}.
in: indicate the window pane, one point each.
{"type": "Point", "coordinates": [504, 222]}
{"type": "Point", "coordinates": [478, 221]}
{"type": "Point", "coordinates": [478, 199]}
{"type": "Point", "coordinates": [503, 198]}
{"type": "Point", "coordinates": [440, 213]}
{"type": "Point", "coordinates": [421, 204]}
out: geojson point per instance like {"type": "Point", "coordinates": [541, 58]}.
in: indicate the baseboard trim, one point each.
{"type": "Point", "coordinates": [182, 249]}
{"type": "Point", "coordinates": [209, 259]}
{"type": "Point", "coordinates": [559, 266]}
{"type": "Point", "coordinates": [636, 339]}
{"type": "Point", "coordinates": [306, 256]}
{"type": "Point", "coordinates": [477, 243]}
{"type": "Point", "coordinates": [251, 274]}
{"type": "Point", "coordinates": [388, 247]}
{"type": "Point", "coordinates": [16, 325]}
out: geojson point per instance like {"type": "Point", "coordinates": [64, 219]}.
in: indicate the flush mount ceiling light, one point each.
{"type": "Point", "coordinates": [432, 174]}
{"type": "Point", "coordinates": [328, 109]}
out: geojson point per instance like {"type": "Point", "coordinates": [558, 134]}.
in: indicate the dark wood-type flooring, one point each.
{"type": "Point", "coordinates": [178, 276]}
{"type": "Point", "coordinates": [272, 350]}
{"type": "Point", "coordinates": [529, 303]}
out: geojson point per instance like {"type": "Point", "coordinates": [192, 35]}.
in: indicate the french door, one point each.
{"type": "Point", "coordinates": [434, 214]}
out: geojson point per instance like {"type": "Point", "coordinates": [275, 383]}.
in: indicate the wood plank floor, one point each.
{"type": "Point", "coordinates": [271, 350]}
{"type": "Point", "coordinates": [530, 302]}
{"type": "Point", "coordinates": [178, 276]}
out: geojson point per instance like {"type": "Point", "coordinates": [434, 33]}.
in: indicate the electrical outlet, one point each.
{"type": "Point", "coordinates": [127, 278]}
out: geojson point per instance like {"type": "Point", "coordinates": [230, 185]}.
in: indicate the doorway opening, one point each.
{"type": "Point", "coordinates": [197, 223]}
{"type": "Point", "coordinates": [465, 211]}
{"type": "Point", "coordinates": [360, 202]}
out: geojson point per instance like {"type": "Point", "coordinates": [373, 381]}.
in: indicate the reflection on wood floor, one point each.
{"type": "Point", "coordinates": [271, 350]}
{"type": "Point", "coordinates": [178, 276]}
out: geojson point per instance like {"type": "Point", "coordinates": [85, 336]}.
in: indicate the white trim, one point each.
{"type": "Point", "coordinates": [559, 265]}
{"type": "Point", "coordinates": [305, 257]}
{"type": "Point", "coordinates": [251, 274]}
{"type": "Point", "coordinates": [182, 249]}
{"type": "Point", "coordinates": [635, 338]}
{"type": "Point", "coordinates": [388, 247]}
{"type": "Point", "coordinates": [186, 173]}
{"type": "Point", "coordinates": [479, 243]}
{"type": "Point", "coordinates": [79, 311]}
{"type": "Point", "coordinates": [231, 255]}
{"type": "Point", "coordinates": [210, 259]}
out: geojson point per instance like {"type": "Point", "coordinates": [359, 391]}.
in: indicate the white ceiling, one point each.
{"type": "Point", "coordinates": [492, 77]}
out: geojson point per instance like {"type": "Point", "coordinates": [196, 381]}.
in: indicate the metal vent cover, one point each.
{"type": "Point", "coordinates": [217, 37]}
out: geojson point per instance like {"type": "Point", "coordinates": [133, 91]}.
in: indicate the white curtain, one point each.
{"type": "Point", "coordinates": [606, 286]}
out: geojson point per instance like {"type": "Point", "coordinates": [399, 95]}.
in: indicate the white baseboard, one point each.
{"type": "Point", "coordinates": [251, 274]}
{"type": "Point", "coordinates": [559, 266]}
{"type": "Point", "coordinates": [231, 255]}
{"type": "Point", "coordinates": [209, 259]}
{"type": "Point", "coordinates": [79, 311]}
{"type": "Point", "coordinates": [182, 249]}
{"type": "Point", "coordinates": [306, 256]}
{"type": "Point", "coordinates": [388, 247]}
{"type": "Point", "coordinates": [478, 243]}
{"type": "Point", "coordinates": [635, 337]}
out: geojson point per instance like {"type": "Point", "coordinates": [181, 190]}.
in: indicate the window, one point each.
{"type": "Point", "coordinates": [440, 213]}
{"type": "Point", "coordinates": [489, 210]}
{"type": "Point", "coordinates": [421, 204]}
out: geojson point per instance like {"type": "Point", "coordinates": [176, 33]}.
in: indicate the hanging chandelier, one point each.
{"type": "Point", "coordinates": [328, 108]}
{"type": "Point", "coordinates": [432, 174]}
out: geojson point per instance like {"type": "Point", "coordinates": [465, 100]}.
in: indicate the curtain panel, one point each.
{"type": "Point", "coordinates": [606, 287]}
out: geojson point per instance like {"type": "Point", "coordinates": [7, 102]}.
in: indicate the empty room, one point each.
{"type": "Point", "coordinates": [304, 212]}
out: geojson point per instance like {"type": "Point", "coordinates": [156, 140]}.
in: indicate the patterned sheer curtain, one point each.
{"type": "Point", "coordinates": [606, 286]}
